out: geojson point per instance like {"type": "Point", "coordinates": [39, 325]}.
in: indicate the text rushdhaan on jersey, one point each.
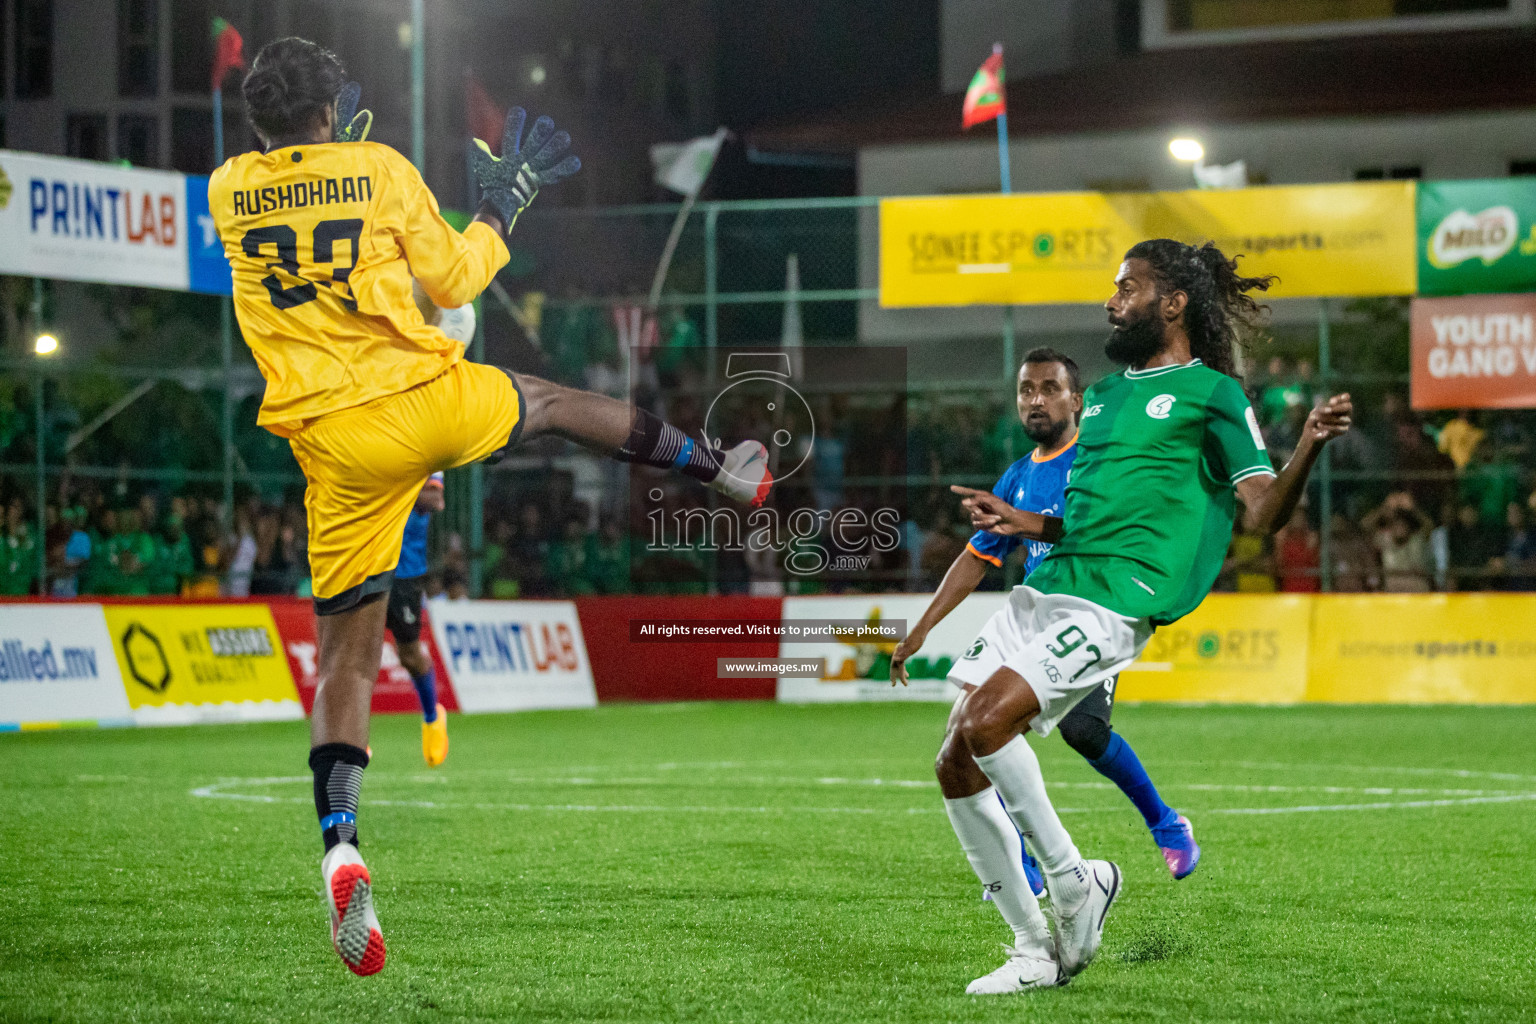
{"type": "Point", "coordinates": [301, 194]}
{"type": "Point", "coordinates": [323, 241]}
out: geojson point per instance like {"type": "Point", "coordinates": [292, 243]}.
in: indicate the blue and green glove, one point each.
{"type": "Point", "coordinates": [351, 124]}
{"type": "Point", "coordinates": [509, 182]}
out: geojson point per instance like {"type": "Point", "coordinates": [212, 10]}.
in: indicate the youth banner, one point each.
{"type": "Point", "coordinates": [185, 663]}
{"type": "Point", "coordinates": [57, 668]}
{"type": "Point", "coordinates": [513, 655]}
{"type": "Point", "coordinates": [1350, 239]}
{"type": "Point", "coordinates": [1474, 351]}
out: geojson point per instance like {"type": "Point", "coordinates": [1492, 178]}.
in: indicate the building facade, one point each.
{"type": "Point", "coordinates": [129, 79]}
{"type": "Point", "coordinates": [1302, 93]}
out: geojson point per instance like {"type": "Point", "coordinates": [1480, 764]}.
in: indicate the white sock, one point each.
{"type": "Point", "coordinates": [992, 846]}
{"type": "Point", "coordinates": [1015, 771]}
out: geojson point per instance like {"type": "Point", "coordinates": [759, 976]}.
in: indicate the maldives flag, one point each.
{"type": "Point", "coordinates": [985, 99]}
{"type": "Point", "coordinates": [228, 51]}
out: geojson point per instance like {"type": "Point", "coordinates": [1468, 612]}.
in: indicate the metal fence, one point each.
{"type": "Point", "coordinates": [155, 405]}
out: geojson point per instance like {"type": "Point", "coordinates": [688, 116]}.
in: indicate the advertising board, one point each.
{"type": "Point", "coordinates": [1347, 239]}
{"type": "Point", "coordinates": [1477, 236]}
{"type": "Point", "coordinates": [513, 655]}
{"type": "Point", "coordinates": [1239, 648]}
{"type": "Point", "coordinates": [1473, 352]}
{"type": "Point", "coordinates": [393, 691]}
{"type": "Point", "coordinates": [57, 668]}
{"type": "Point", "coordinates": [860, 671]}
{"type": "Point", "coordinates": [185, 663]}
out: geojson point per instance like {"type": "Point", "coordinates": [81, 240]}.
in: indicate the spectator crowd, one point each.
{"type": "Point", "coordinates": [1417, 504]}
{"type": "Point", "coordinates": [1420, 504]}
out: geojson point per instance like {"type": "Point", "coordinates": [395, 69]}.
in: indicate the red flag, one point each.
{"type": "Point", "coordinates": [985, 98]}
{"type": "Point", "coordinates": [228, 51]}
{"type": "Point", "coordinates": [486, 120]}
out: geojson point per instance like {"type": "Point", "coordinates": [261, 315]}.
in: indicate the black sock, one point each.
{"type": "Point", "coordinates": [338, 769]}
{"type": "Point", "coordinates": [660, 444]}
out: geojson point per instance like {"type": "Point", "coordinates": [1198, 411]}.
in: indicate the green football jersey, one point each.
{"type": "Point", "coordinates": [1150, 499]}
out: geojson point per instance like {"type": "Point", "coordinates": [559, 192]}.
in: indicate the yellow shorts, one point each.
{"type": "Point", "coordinates": [366, 465]}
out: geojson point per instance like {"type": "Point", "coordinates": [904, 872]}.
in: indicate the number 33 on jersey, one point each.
{"type": "Point", "coordinates": [315, 236]}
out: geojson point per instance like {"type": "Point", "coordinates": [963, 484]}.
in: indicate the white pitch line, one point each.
{"type": "Point", "coordinates": [1384, 805]}
{"type": "Point", "coordinates": [216, 791]}
{"type": "Point", "coordinates": [792, 781]}
{"type": "Point", "coordinates": [1460, 773]}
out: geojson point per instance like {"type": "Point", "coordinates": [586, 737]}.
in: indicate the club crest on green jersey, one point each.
{"type": "Point", "coordinates": [1161, 406]}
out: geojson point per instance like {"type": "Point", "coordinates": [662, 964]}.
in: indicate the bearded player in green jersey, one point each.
{"type": "Point", "coordinates": [1166, 448]}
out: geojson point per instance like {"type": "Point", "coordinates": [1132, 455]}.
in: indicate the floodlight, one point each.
{"type": "Point", "coordinates": [1188, 150]}
{"type": "Point", "coordinates": [45, 345]}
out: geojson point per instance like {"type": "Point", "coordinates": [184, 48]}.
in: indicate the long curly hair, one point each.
{"type": "Point", "coordinates": [1222, 319]}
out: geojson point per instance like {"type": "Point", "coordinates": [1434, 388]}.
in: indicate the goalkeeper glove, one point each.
{"type": "Point", "coordinates": [509, 182]}
{"type": "Point", "coordinates": [351, 124]}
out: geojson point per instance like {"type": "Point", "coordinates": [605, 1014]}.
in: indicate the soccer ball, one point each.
{"type": "Point", "coordinates": [458, 324]}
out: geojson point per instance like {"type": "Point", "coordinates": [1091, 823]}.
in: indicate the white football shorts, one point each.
{"type": "Point", "coordinates": [1063, 646]}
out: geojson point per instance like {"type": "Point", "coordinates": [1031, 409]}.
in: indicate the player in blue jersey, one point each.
{"type": "Point", "coordinates": [1050, 399]}
{"type": "Point", "coordinates": [403, 620]}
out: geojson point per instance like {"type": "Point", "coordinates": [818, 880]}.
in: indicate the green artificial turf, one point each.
{"type": "Point", "coordinates": [755, 862]}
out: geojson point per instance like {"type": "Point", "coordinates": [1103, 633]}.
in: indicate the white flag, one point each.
{"type": "Point", "coordinates": [1233, 175]}
{"type": "Point", "coordinates": [683, 166]}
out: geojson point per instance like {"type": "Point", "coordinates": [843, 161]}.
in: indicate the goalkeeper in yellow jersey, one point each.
{"type": "Point", "coordinates": [324, 232]}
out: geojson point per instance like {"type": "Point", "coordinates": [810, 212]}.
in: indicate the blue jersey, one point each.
{"type": "Point", "coordinates": [413, 547]}
{"type": "Point", "coordinates": [1034, 485]}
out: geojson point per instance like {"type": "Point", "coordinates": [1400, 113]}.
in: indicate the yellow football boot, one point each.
{"type": "Point", "coordinates": [434, 738]}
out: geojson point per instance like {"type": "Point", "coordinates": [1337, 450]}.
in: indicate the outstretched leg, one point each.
{"type": "Point", "coordinates": [631, 434]}
{"type": "Point", "coordinates": [364, 474]}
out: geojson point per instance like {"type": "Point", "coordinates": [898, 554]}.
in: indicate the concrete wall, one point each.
{"type": "Point", "coordinates": [1477, 144]}
{"type": "Point", "coordinates": [1038, 36]}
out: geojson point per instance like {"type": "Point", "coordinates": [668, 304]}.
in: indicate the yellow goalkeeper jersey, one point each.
{"type": "Point", "coordinates": [324, 240]}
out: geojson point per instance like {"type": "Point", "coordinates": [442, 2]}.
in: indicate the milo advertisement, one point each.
{"type": "Point", "coordinates": [1477, 236]}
